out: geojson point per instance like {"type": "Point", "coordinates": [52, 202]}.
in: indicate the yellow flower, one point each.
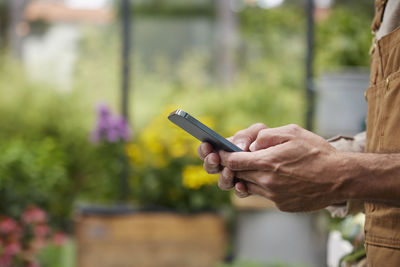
{"type": "Point", "coordinates": [195, 177]}
{"type": "Point", "coordinates": [208, 121]}
{"type": "Point", "coordinates": [161, 141]}
{"type": "Point", "coordinates": [134, 153]}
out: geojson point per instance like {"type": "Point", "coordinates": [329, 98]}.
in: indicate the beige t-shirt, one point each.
{"type": "Point", "coordinates": [391, 19]}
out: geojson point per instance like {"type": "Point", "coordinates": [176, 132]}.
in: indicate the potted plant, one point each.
{"type": "Point", "coordinates": [173, 219]}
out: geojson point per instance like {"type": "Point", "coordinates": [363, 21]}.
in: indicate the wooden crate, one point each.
{"type": "Point", "coordinates": [150, 239]}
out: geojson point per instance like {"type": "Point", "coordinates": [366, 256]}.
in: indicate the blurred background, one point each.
{"type": "Point", "coordinates": [93, 174]}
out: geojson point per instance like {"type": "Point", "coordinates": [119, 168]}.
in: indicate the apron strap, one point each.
{"type": "Point", "coordinates": [380, 9]}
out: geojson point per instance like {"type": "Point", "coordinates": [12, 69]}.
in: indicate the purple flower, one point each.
{"type": "Point", "coordinates": [110, 128]}
{"type": "Point", "coordinates": [103, 111]}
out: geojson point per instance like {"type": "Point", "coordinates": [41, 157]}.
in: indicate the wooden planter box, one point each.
{"type": "Point", "coordinates": [150, 239]}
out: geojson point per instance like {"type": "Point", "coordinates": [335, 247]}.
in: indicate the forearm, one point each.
{"type": "Point", "coordinates": [371, 177]}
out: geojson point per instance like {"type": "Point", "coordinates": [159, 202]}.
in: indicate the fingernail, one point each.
{"type": "Point", "coordinates": [241, 193]}
{"type": "Point", "coordinates": [252, 146]}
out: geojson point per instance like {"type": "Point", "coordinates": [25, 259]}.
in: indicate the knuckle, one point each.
{"type": "Point", "coordinates": [265, 182]}
{"type": "Point", "coordinates": [232, 164]}
{"type": "Point", "coordinates": [294, 128]}
{"type": "Point", "coordinates": [258, 125]}
{"type": "Point", "coordinates": [243, 137]}
{"type": "Point", "coordinates": [240, 133]}
{"type": "Point", "coordinates": [263, 133]}
{"type": "Point", "coordinates": [265, 163]}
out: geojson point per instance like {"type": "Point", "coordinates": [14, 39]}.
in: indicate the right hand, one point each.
{"type": "Point", "coordinates": [242, 139]}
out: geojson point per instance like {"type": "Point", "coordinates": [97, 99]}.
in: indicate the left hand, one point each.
{"type": "Point", "coordinates": [211, 159]}
{"type": "Point", "coordinates": [291, 166]}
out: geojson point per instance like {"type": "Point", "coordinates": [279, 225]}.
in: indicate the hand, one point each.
{"type": "Point", "coordinates": [291, 166]}
{"type": "Point", "coordinates": [242, 139]}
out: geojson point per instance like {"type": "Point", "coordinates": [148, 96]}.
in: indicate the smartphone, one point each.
{"type": "Point", "coordinates": [201, 131]}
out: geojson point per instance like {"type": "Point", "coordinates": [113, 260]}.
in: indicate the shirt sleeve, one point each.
{"type": "Point", "coordinates": [348, 144]}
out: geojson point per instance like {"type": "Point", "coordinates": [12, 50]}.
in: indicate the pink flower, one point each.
{"type": "Point", "coordinates": [41, 230]}
{"type": "Point", "coordinates": [59, 239]}
{"type": "Point", "coordinates": [5, 261]}
{"type": "Point", "coordinates": [8, 225]}
{"type": "Point", "coordinates": [34, 215]}
{"type": "Point", "coordinates": [12, 249]}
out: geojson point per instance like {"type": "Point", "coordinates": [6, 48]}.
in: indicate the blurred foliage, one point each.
{"type": "Point", "coordinates": [4, 16]}
{"type": "Point", "coordinates": [166, 10]}
{"type": "Point", "coordinates": [274, 30]}
{"type": "Point", "coordinates": [46, 158]}
{"type": "Point", "coordinates": [56, 256]}
{"type": "Point", "coordinates": [172, 8]}
{"type": "Point", "coordinates": [343, 39]}
{"type": "Point", "coordinates": [352, 229]}
{"type": "Point", "coordinates": [167, 172]}
{"type": "Point", "coordinates": [366, 7]}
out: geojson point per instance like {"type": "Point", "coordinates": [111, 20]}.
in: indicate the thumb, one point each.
{"type": "Point", "coordinates": [245, 137]}
{"type": "Point", "coordinates": [270, 137]}
{"type": "Point", "coordinates": [253, 146]}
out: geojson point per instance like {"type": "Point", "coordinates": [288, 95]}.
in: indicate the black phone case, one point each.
{"type": "Point", "coordinates": [201, 131]}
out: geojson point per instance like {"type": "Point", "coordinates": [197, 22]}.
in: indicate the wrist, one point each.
{"type": "Point", "coordinates": [370, 177]}
{"type": "Point", "coordinates": [351, 176]}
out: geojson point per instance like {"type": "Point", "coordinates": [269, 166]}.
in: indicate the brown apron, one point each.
{"type": "Point", "coordinates": [382, 225]}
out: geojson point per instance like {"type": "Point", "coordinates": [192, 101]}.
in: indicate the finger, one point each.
{"type": "Point", "coordinates": [275, 136]}
{"type": "Point", "coordinates": [203, 150]}
{"type": "Point", "coordinates": [241, 190]}
{"type": "Point", "coordinates": [246, 161]}
{"type": "Point", "coordinates": [251, 176]}
{"type": "Point", "coordinates": [258, 190]}
{"type": "Point", "coordinates": [212, 163]}
{"type": "Point", "coordinates": [226, 179]}
{"type": "Point", "coordinates": [245, 137]}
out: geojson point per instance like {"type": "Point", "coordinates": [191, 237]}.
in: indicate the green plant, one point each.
{"type": "Point", "coordinates": [352, 230]}
{"type": "Point", "coordinates": [46, 158]}
{"type": "Point", "coordinates": [343, 39]}
{"type": "Point", "coordinates": [167, 172]}
{"type": "Point", "coordinates": [58, 256]}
